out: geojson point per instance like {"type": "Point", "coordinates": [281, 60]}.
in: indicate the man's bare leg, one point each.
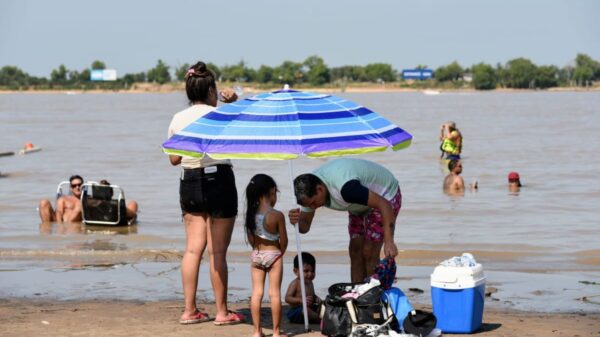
{"type": "Point", "coordinates": [46, 211]}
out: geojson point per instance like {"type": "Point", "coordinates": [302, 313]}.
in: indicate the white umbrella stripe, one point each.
{"type": "Point", "coordinates": [288, 124]}
{"type": "Point", "coordinates": [286, 137]}
{"type": "Point", "coordinates": [282, 113]}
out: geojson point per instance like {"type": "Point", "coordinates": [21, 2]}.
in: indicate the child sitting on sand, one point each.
{"type": "Point", "coordinates": [265, 230]}
{"type": "Point", "coordinates": [293, 296]}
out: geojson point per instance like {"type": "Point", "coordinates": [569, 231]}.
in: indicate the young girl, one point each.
{"type": "Point", "coordinates": [265, 230]}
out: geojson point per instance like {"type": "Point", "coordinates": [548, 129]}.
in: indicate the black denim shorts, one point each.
{"type": "Point", "coordinates": [209, 190]}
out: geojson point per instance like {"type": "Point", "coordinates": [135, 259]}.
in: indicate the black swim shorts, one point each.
{"type": "Point", "coordinates": [209, 190]}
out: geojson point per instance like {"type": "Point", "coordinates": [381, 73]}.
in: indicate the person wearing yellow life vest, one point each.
{"type": "Point", "coordinates": [451, 141]}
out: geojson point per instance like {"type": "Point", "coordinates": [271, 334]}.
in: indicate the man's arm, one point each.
{"type": "Point", "coordinates": [388, 221]}
{"type": "Point", "coordinates": [459, 183]}
{"type": "Point", "coordinates": [303, 219]}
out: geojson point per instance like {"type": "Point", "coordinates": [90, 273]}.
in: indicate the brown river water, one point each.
{"type": "Point", "coordinates": [537, 246]}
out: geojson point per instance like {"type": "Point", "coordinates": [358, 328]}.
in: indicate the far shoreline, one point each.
{"type": "Point", "coordinates": [142, 88]}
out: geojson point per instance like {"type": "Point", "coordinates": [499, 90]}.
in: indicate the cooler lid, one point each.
{"type": "Point", "coordinates": [444, 274]}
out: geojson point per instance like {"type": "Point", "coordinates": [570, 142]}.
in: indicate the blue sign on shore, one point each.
{"type": "Point", "coordinates": [417, 74]}
{"type": "Point", "coordinates": [103, 75]}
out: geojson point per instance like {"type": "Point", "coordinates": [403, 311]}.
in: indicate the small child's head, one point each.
{"type": "Point", "coordinates": [261, 185]}
{"type": "Point", "coordinates": [309, 265]}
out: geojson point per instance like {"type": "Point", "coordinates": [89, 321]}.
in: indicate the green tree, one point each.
{"type": "Point", "coordinates": [73, 76]}
{"type": "Point", "coordinates": [134, 78]}
{"type": "Point", "coordinates": [159, 74]}
{"type": "Point", "coordinates": [264, 74]}
{"type": "Point", "coordinates": [181, 71]}
{"type": "Point", "coordinates": [237, 73]}
{"type": "Point", "coordinates": [484, 77]}
{"type": "Point", "coordinates": [500, 75]}
{"type": "Point", "coordinates": [582, 75]}
{"type": "Point", "coordinates": [586, 69]}
{"type": "Point", "coordinates": [520, 73]}
{"type": "Point", "coordinates": [13, 77]}
{"type": "Point", "coordinates": [59, 76]}
{"type": "Point", "coordinates": [376, 72]}
{"type": "Point", "coordinates": [84, 75]}
{"type": "Point", "coordinates": [317, 72]}
{"type": "Point", "coordinates": [215, 69]}
{"type": "Point", "coordinates": [451, 72]}
{"type": "Point", "coordinates": [288, 72]}
{"type": "Point", "coordinates": [546, 77]}
{"type": "Point", "coordinates": [99, 65]}
{"type": "Point", "coordinates": [348, 73]}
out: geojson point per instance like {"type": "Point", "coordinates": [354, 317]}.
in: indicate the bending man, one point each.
{"type": "Point", "coordinates": [368, 192]}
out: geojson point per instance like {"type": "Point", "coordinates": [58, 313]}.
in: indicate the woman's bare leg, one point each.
{"type": "Point", "coordinates": [196, 239]}
{"type": "Point", "coordinates": [219, 237]}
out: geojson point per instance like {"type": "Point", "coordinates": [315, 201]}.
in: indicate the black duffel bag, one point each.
{"type": "Point", "coordinates": [335, 318]}
{"type": "Point", "coordinates": [339, 315]}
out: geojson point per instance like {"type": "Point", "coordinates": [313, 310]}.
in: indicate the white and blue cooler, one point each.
{"type": "Point", "coordinates": [457, 295]}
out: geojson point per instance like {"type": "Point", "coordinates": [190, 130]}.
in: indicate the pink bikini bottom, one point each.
{"type": "Point", "coordinates": [264, 259]}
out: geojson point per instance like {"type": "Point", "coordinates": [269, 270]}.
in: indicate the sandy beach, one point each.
{"type": "Point", "coordinates": [123, 318]}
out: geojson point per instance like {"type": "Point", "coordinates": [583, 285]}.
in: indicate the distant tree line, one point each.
{"type": "Point", "coordinates": [519, 73]}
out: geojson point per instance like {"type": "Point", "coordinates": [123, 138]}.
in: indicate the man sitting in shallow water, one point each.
{"type": "Point", "coordinates": [453, 182]}
{"type": "Point", "coordinates": [68, 207]}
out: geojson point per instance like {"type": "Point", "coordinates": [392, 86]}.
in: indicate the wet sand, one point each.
{"type": "Point", "coordinates": [139, 318]}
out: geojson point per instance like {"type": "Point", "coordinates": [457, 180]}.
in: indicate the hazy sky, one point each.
{"type": "Point", "coordinates": [131, 35]}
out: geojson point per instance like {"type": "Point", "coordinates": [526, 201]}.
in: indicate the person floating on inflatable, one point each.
{"type": "Point", "coordinates": [28, 148]}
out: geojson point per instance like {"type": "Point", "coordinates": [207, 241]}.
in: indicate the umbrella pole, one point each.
{"type": "Point", "coordinates": [300, 263]}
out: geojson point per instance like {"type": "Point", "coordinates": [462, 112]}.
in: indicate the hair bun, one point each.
{"type": "Point", "coordinates": [200, 66]}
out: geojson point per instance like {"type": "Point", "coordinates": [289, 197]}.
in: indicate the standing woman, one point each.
{"type": "Point", "coordinates": [208, 199]}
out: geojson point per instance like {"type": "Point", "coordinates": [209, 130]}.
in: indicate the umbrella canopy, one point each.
{"type": "Point", "coordinates": [284, 125]}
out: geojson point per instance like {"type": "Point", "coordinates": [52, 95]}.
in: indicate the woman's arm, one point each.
{"type": "Point", "coordinates": [175, 160]}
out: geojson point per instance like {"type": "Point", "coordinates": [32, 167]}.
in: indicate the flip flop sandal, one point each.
{"type": "Point", "coordinates": [232, 318]}
{"type": "Point", "coordinates": [199, 317]}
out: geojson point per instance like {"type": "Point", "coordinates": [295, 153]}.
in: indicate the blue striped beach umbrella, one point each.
{"type": "Point", "coordinates": [286, 124]}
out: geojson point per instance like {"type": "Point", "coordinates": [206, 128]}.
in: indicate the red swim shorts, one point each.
{"type": "Point", "coordinates": [370, 225]}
